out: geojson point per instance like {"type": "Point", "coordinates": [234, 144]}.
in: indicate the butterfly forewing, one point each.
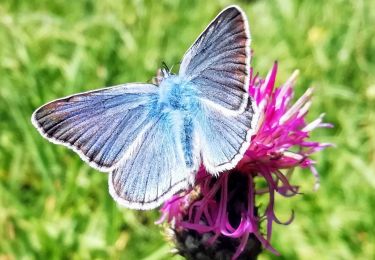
{"type": "Point", "coordinates": [218, 62]}
{"type": "Point", "coordinates": [101, 126]}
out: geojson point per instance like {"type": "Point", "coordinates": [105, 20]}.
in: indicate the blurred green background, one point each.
{"type": "Point", "coordinates": [54, 206]}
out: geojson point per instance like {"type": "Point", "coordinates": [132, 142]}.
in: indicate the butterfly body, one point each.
{"type": "Point", "coordinates": [152, 138]}
{"type": "Point", "coordinates": [177, 104]}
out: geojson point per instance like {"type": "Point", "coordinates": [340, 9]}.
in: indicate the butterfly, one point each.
{"type": "Point", "coordinates": [152, 138]}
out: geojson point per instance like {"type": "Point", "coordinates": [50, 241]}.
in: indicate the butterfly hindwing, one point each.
{"type": "Point", "coordinates": [224, 138]}
{"type": "Point", "coordinates": [156, 169]}
{"type": "Point", "coordinates": [218, 62]}
{"type": "Point", "coordinates": [101, 126]}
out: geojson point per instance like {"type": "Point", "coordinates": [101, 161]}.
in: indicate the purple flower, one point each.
{"type": "Point", "coordinates": [225, 207]}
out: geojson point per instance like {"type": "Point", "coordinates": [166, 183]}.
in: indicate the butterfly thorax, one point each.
{"type": "Point", "coordinates": [175, 94]}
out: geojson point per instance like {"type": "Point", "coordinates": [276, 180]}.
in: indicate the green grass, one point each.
{"type": "Point", "coordinates": [54, 206]}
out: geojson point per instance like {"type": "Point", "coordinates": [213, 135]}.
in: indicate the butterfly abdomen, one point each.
{"type": "Point", "coordinates": [187, 141]}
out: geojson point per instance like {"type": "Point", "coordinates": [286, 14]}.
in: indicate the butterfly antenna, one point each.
{"type": "Point", "coordinates": [165, 70]}
{"type": "Point", "coordinates": [164, 65]}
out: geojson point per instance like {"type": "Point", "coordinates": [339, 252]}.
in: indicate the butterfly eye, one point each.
{"type": "Point", "coordinates": [158, 78]}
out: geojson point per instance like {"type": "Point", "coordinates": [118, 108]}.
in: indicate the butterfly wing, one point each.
{"type": "Point", "coordinates": [102, 126]}
{"type": "Point", "coordinates": [225, 138]}
{"type": "Point", "coordinates": [218, 61]}
{"type": "Point", "coordinates": [118, 130]}
{"type": "Point", "coordinates": [217, 64]}
{"type": "Point", "coordinates": [156, 169]}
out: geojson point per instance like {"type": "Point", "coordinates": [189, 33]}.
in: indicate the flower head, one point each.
{"type": "Point", "coordinates": [223, 210]}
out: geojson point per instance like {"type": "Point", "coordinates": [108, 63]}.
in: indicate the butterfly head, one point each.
{"type": "Point", "coordinates": [161, 74]}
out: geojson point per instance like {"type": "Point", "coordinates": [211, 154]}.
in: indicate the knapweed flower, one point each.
{"type": "Point", "coordinates": [219, 217]}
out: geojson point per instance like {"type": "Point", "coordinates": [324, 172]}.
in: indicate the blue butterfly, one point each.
{"type": "Point", "coordinates": [152, 138]}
